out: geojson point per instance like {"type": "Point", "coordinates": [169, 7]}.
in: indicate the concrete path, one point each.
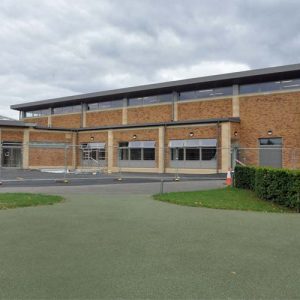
{"type": "Point", "coordinates": [114, 241]}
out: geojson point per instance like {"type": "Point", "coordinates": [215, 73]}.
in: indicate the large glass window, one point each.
{"type": "Point", "coordinates": [105, 105]}
{"type": "Point", "coordinates": [192, 154]}
{"type": "Point", "coordinates": [37, 113]}
{"type": "Point", "coordinates": [206, 93]}
{"type": "Point", "coordinates": [270, 86]}
{"type": "Point", "coordinates": [67, 109]}
{"type": "Point", "coordinates": [193, 150]}
{"type": "Point", "coordinates": [137, 150]}
{"type": "Point", "coordinates": [93, 151]}
{"type": "Point", "coordinates": [208, 153]}
{"type": "Point", "coordinates": [147, 100]}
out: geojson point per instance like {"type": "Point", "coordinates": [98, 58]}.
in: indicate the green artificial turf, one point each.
{"type": "Point", "coordinates": [225, 198]}
{"type": "Point", "coordinates": [13, 200]}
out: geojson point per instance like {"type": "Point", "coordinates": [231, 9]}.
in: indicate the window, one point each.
{"type": "Point", "coordinates": [135, 154]}
{"type": "Point", "coordinates": [193, 149]}
{"type": "Point", "coordinates": [137, 150]}
{"type": "Point", "coordinates": [192, 154]}
{"type": "Point", "coordinates": [149, 153]}
{"type": "Point", "coordinates": [208, 153]}
{"type": "Point", "coordinates": [67, 109]}
{"type": "Point", "coordinates": [93, 151]}
{"type": "Point", "coordinates": [206, 93]}
{"type": "Point", "coordinates": [269, 86]}
{"type": "Point", "coordinates": [147, 100]}
{"type": "Point", "coordinates": [105, 105]}
{"type": "Point", "coordinates": [123, 151]}
{"type": "Point", "coordinates": [37, 113]}
{"type": "Point", "coordinates": [270, 141]}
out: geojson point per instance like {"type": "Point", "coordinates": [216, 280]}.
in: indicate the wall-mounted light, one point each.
{"type": "Point", "coordinates": [270, 132]}
{"type": "Point", "coordinates": [91, 138]}
{"type": "Point", "coordinates": [235, 133]}
{"type": "Point", "coordinates": [191, 134]}
{"type": "Point", "coordinates": [134, 136]}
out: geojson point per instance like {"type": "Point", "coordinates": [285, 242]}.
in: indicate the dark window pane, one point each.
{"type": "Point", "coordinates": [57, 110]}
{"type": "Point", "coordinates": [204, 93]}
{"type": "Point", "coordinates": [123, 151]}
{"type": "Point", "coordinates": [101, 154]}
{"type": "Point", "coordinates": [135, 154]}
{"type": "Point", "coordinates": [149, 154]}
{"type": "Point", "coordinates": [224, 91]}
{"type": "Point", "coordinates": [208, 153]}
{"type": "Point", "coordinates": [271, 141]}
{"type": "Point", "coordinates": [93, 106]}
{"type": "Point", "coordinates": [260, 87]}
{"type": "Point", "coordinates": [150, 100]}
{"type": "Point", "coordinates": [135, 101]}
{"type": "Point", "coordinates": [165, 98]}
{"type": "Point", "coordinates": [290, 84]}
{"type": "Point", "coordinates": [187, 95]}
{"type": "Point", "coordinates": [177, 154]}
{"type": "Point", "coordinates": [192, 153]}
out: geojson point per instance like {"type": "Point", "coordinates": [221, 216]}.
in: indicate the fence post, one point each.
{"type": "Point", "coordinates": [66, 164]}
{"type": "Point", "coordinates": [1, 149]}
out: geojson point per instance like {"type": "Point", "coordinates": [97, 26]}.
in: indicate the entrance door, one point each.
{"type": "Point", "coordinates": [12, 155]}
{"type": "Point", "coordinates": [270, 152]}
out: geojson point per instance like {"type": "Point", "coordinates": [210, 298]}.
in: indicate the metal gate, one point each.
{"type": "Point", "coordinates": [11, 155]}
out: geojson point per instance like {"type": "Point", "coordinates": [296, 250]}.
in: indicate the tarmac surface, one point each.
{"type": "Point", "coordinates": [34, 178]}
{"type": "Point", "coordinates": [115, 242]}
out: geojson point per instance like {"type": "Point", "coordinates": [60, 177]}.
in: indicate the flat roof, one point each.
{"type": "Point", "coordinates": [244, 77]}
{"type": "Point", "coordinates": [14, 123]}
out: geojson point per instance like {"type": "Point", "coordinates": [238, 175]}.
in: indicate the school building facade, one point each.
{"type": "Point", "coordinates": [185, 126]}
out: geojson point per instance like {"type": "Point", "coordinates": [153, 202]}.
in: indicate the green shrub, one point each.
{"type": "Point", "coordinates": [244, 177]}
{"type": "Point", "coordinates": [277, 185]}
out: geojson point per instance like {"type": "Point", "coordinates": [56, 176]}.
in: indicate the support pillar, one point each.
{"type": "Point", "coordinates": [110, 151]}
{"type": "Point", "coordinates": [235, 101]}
{"type": "Point", "coordinates": [25, 153]}
{"type": "Point", "coordinates": [75, 150]}
{"type": "Point", "coordinates": [161, 149]}
{"type": "Point", "coordinates": [226, 147]}
{"type": "Point", "coordinates": [124, 111]}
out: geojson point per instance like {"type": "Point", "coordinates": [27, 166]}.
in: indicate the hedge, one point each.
{"type": "Point", "coordinates": [280, 186]}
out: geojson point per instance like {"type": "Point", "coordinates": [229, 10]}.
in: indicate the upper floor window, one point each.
{"type": "Point", "coordinates": [270, 86]}
{"type": "Point", "coordinates": [206, 93]}
{"type": "Point", "coordinates": [37, 113]}
{"type": "Point", "coordinates": [105, 105]}
{"type": "Point", "coordinates": [147, 100]}
{"type": "Point", "coordinates": [67, 109]}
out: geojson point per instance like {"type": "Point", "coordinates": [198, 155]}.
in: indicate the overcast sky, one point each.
{"type": "Point", "coordinates": [56, 48]}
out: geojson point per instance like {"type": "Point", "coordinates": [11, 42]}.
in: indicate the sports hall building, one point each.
{"type": "Point", "coordinates": [185, 126]}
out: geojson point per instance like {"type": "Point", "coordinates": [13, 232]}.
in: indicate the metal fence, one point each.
{"type": "Point", "coordinates": [97, 157]}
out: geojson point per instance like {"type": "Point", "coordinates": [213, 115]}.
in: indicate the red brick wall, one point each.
{"type": "Point", "coordinates": [42, 121]}
{"type": "Point", "coordinates": [104, 118]}
{"type": "Point", "coordinates": [66, 121]}
{"type": "Point", "coordinates": [204, 109]}
{"type": "Point", "coordinates": [277, 112]}
{"type": "Point", "coordinates": [14, 135]}
{"type": "Point", "coordinates": [151, 114]}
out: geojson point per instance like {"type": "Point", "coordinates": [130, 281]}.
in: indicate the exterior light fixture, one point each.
{"type": "Point", "coordinates": [270, 132]}
{"type": "Point", "coordinates": [191, 134]}
{"type": "Point", "coordinates": [134, 136]}
{"type": "Point", "coordinates": [91, 138]}
{"type": "Point", "coordinates": [235, 133]}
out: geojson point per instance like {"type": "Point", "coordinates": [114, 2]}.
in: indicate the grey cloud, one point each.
{"type": "Point", "coordinates": [57, 48]}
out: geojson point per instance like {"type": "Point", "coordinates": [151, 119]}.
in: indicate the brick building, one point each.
{"type": "Point", "coordinates": [187, 126]}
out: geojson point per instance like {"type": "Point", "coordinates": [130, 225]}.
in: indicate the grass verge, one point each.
{"type": "Point", "coordinates": [13, 200]}
{"type": "Point", "coordinates": [225, 198]}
